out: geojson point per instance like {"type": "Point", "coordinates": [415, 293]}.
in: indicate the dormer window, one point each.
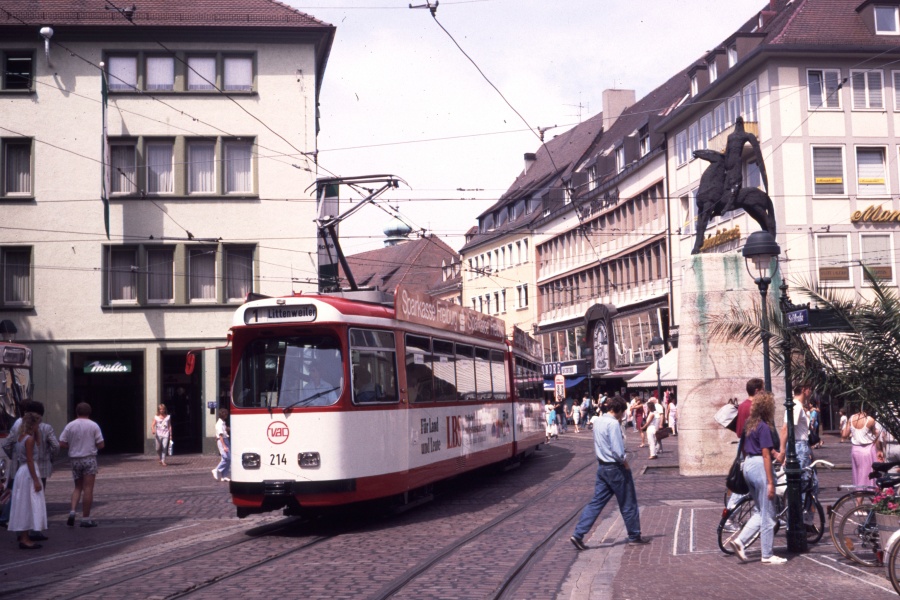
{"type": "Point", "coordinates": [886, 22]}
{"type": "Point", "coordinates": [732, 56]}
{"type": "Point", "coordinates": [620, 159]}
{"type": "Point", "coordinates": [644, 140]}
{"type": "Point", "coordinates": [695, 85]}
{"type": "Point", "coordinates": [713, 72]}
{"type": "Point", "coordinates": [592, 177]}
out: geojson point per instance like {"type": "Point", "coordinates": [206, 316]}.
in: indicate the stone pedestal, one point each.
{"type": "Point", "coordinates": [712, 371]}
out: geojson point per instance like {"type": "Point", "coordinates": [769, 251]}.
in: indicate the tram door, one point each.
{"type": "Point", "coordinates": [183, 396]}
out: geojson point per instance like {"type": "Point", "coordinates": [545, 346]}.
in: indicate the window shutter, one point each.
{"type": "Point", "coordinates": [870, 171]}
{"type": "Point", "coordinates": [828, 170]}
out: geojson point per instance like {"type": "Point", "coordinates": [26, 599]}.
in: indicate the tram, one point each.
{"type": "Point", "coordinates": [350, 396]}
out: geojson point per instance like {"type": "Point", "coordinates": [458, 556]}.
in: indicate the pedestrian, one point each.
{"type": "Point", "coordinates": [576, 415]}
{"type": "Point", "coordinates": [753, 387]}
{"type": "Point", "coordinates": [83, 438]}
{"type": "Point", "coordinates": [651, 426]}
{"type": "Point", "coordinates": [585, 410]}
{"type": "Point", "coordinates": [161, 430]}
{"type": "Point", "coordinates": [614, 478]}
{"type": "Point", "coordinates": [843, 423]}
{"type": "Point", "coordinates": [759, 448]}
{"type": "Point", "coordinates": [864, 435]}
{"type": "Point", "coordinates": [560, 409]}
{"type": "Point", "coordinates": [802, 395]}
{"type": "Point", "coordinates": [814, 425]}
{"type": "Point", "coordinates": [223, 443]}
{"type": "Point", "coordinates": [673, 414]}
{"type": "Point", "coordinates": [29, 507]}
{"type": "Point", "coordinates": [47, 448]}
{"type": "Point", "coordinates": [639, 414]}
{"type": "Point", "coordinates": [550, 420]}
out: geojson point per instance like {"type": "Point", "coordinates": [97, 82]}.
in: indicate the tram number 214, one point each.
{"type": "Point", "coordinates": [277, 459]}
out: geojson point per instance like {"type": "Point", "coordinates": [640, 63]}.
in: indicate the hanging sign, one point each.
{"type": "Point", "coordinates": [108, 366]}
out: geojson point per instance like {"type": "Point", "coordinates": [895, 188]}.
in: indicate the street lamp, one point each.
{"type": "Point", "coordinates": [656, 342]}
{"type": "Point", "coordinates": [760, 249]}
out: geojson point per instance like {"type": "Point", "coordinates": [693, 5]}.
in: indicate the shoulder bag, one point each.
{"type": "Point", "coordinates": [735, 480]}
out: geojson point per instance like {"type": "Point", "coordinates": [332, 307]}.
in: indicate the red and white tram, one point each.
{"type": "Point", "coordinates": [351, 396]}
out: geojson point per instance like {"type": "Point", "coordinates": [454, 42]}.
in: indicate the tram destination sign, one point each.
{"type": "Point", "coordinates": [285, 313]}
{"type": "Point", "coordinates": [421, 308]}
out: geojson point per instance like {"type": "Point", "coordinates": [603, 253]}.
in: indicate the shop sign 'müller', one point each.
{"type": "Point", "coordinates": [108, 366]}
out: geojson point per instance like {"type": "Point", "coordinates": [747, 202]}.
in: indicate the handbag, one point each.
{"type": "Point", "coordinates": [814, 438]}
{"type": "Point", "coordinates": [662, 433]}
{"type": "Point", "coordinates": [735, 480]}
{"type": "Point", "coordinates": [727, 416]}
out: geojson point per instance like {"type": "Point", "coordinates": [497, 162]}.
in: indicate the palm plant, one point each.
{"type": "Point", "coordinates": [860, 365]}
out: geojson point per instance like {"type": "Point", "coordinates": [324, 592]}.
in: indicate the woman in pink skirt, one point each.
{"type": "Point", "coordinates": [863, 433]}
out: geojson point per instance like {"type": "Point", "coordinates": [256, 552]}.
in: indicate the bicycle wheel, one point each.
{"type": "Point", "coordinates": [814, 521]}
{"type": "Point", "coordinates": [733, 522]}
{"type": "Point", "coordinates": [859, 534]}
{"type": "Point", "coordinates": [892, 560]}
{"type": "Point", "coordinates": [842, 506]}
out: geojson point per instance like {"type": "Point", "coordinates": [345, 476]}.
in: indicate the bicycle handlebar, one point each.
{"type": "Point", "coordinates": [816, 463]}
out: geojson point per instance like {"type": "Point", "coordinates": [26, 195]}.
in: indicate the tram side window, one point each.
{"type": "Point", "coordinates": [418, 369]}
{"type": "Point", "coordinates": [444, 368]}
{"type": "Point", "coordinates": [498, 375]}
{"type": "Point", "coordinates": [373, 357]}
{"type": "Point", "coordinates": [483, 373]}
{"type": "Point", "coordinates": [465, 372]}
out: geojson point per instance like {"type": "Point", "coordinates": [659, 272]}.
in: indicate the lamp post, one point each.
{"type": "Point", "coordinates": [656, 342]}
{"type": "Point", "coordinates": [760, 249]}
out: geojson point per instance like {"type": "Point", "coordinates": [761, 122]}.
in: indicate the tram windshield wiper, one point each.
{"type": "Point", "coordinates": [306, 401]}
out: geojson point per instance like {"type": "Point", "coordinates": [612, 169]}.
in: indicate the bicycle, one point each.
{"type": "Point", "coordinates": [858, 529]}
{"type": "Point", "coordinates": [734, 519]}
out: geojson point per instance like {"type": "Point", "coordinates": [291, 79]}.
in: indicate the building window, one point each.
{"type": "Point", "coordinates": [693, 137]}
{"type": "Point", "coordinates": [122, 73]}
{"type": "Point", "coordinates": [681, 147]}
{"type": "Point", "coordinates": [644, 140]}
{"type": "Point", "coordinates": [695, 85]}
{"type": "Point", "coordinates": [620, 159]}
{"type": "Point", "coordinates": [828, 171]}
{"type": "Point", "coordinates": [160, 73]}
{"type": "Point", "coordinates": [867, 89]}
{"type": "Point", "coordinates": [823, 88]}
{"type": "Point", "coordinates": [18, 70]}
{"type": "Point", "coordinates": [238, 273]}
{"type": "Point", "coordinates": [238, 73]}
{"type": "Point", "coordinates": [160, 167]}
{"type": "Point", "coordinates": [123, 167]}
{"type": "Point", "coordinates": [833, 258]}
{"type": "Point", "coordinates": [122, 275]}
{"type": "Point", "coordinates": [592, 177]}
{"type": "Point", "coordinates": [720, 118]}
{"type": "Point", "coordinates": [160, 275]}
{"type": "Point", "coordinates": [202, 275]}
{"type": "Point", "coordinates": [689, 210]}
{"type": "Point", "coordinates": [201, 167]}
{"type": "Point", "coordinates": [16, 176]}
{"type": "Point", "coordinates": [751, 102]}
{"type": "Point", "coordinates": [886, 20]}
{"type": "Point", "coordinates": [15, 262]}
{"type": "Point", "coordinates": [875, 253]}
{"type": "Point", "coordinates": [238, 167]}
{"type": "Point", "coordinates": [201, 74]}
{"type": "Point", "coordinates": [712, 70]}
{"type": "Point", "coordinates": [732, 56]}
{"type": "Point", "coordinates": [522, 292]}
{"type": "Point", "coordinates": [871, 178]}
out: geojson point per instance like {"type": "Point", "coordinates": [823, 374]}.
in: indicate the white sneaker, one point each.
{"type": "Point", "coordinates": [774, 560]}
{"type": "Point", "coordinates": [731, 527]}
{"type": "Point", "coordinates": [738, 548]}
{"type": "Point", "coordinates": [216, 475]}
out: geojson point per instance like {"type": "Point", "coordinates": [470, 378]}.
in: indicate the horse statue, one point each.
{"type": "Point", "coordinates": [715, 198]}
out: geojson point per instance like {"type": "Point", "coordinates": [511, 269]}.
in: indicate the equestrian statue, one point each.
{"type": "Point", "coordinates": [721, 185]}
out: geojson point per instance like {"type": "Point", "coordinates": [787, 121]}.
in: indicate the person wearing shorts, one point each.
{"type": "Point", "coordinates": [83, 438]}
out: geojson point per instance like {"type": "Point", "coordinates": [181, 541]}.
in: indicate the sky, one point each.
{"type": "Point", "coordinates": [400, 97]}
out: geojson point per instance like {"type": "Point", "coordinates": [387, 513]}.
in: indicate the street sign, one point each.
{"type": "Point", "coordinates": [559, 385]}
{"type": "Point", "coordinates": [797, 318]}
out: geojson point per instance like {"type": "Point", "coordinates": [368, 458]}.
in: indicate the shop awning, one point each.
{"type": "Point", "coordinates": [620, 374]}
{"type": "Point", "coordinates": [668, 372]}
{"type": "Point", "coordinates": [570, 382]}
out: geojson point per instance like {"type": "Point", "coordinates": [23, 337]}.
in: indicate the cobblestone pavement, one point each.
{"type": "Point", "coordinates": [166, 530]}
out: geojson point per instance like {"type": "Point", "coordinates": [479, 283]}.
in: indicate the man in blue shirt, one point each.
{"type": "Point", "coordinates": [613, 478]}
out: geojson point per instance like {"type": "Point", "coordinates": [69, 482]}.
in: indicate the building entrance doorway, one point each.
{"type": "Point", "coordinates": [113, 384]}
{"type": "Point", "coordinates": [182, 394]}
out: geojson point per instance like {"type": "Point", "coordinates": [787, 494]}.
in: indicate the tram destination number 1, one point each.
{"type": "Point", "coordinates": [277, 459]}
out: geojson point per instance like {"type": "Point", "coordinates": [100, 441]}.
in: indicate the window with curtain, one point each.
{"type": "Point", "coordinates": [875, 253]}
{"type": "Point", "coordinates": [238, 167]}
{"type": "Point", "coordinates": [17, 167]}
{"type": "Point", "coordinates": [122, 73]}
{"type": "Point", "coordinates": [201, 73]}
{"type": "Point", "coordinates": [828, 171]}
{"type": "Point", "coordinates": [238, 273]}
{"type": "Point", "coordinates": [122, 275]}
{"type": "Point", "coordinates": [160, 275]}
{"type": "Point", "coordinates": [160, 73]}
{"type": "Point", "coordinates": [201, 167]}
{"type": "Point", "coordinates": [123, 166]}
{"type": "Point", "coordinates": [160, 176]}
{"type": "Point", "coordinates": [202, 274]}
{"type": "Point", "coordinates": [833, 257]}
{"type": "Point", "coordinates": [16, 272]}
{"type": "Point", "coordinates": [870, 172]}
{"type": "Point", "coordinates": [238, 73]}
{"type": "Point", "coordinates": [751, 102]}
{"type": "Point", "coordinates": [822, 88]}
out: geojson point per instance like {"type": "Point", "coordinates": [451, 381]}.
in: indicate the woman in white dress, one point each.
{"type": "Point", "coordinates": [29, 509]}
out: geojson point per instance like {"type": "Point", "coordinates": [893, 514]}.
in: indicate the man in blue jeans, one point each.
{"type": "Point", "coordinates": [613, 478]}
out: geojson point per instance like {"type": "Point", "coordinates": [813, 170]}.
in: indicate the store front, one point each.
{"type": "Point", "coordinates": [183, 396]}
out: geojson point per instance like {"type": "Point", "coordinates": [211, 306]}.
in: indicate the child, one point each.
{"type": "Point", "coordinates": [843, 413]}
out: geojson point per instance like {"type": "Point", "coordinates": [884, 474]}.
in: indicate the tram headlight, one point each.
{"type": "Point", "coordinates": [308, 460]}
{"type": "Point", "coordinates": [250, 460]}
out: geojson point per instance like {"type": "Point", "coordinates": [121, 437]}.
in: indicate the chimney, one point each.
{"type": "Point", "coordinates": [530, 159]}
{"type": "Point", "coordinates": [614, 104]}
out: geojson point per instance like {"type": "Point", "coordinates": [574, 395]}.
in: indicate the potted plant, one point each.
{"type": "Point", "coordinates": [887, 511]}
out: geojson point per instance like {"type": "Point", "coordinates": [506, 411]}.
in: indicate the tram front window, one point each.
{"type": "Point", "coordinates": [289, 372]}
